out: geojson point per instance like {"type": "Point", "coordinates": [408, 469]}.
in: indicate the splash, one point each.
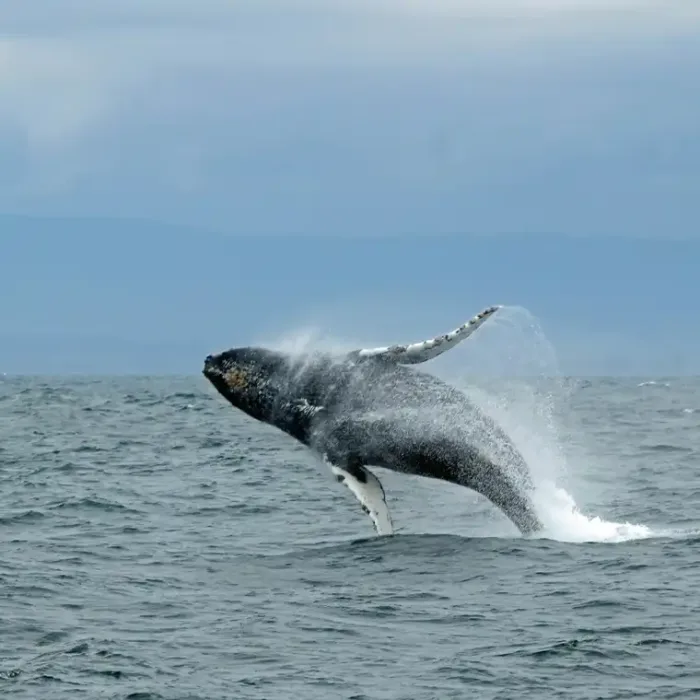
{"type": "Point", "coordinates": [304, 341]}
{"type": "Point", "coordinates": [564, 522]}
{"type": "Point", "coordinates": [527, 409]}
{"type": "Point", "coordinates": [528, 417]}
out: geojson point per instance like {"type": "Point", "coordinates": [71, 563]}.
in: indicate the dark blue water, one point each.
{"type": "Point", "coordinates": [155, 544]}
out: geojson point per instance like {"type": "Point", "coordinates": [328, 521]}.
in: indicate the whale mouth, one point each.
{"type": "Point", "coordinates": [210, 366]}
{"type": "Point", "coordinates": [214, 367]}
{"type": "Point", "coordinates": [214, 374]}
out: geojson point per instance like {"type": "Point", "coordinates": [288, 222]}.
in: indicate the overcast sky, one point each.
{"type": "Point", "coordinates": [352, 118]}
{"type": "Point", "coordinates": [358, 117]}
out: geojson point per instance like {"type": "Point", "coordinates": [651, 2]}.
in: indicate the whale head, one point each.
{"type": "Point", "coordinates": [251, 379]}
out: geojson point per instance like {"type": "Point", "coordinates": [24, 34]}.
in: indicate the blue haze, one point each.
{"type": "Point", "coordinates": [174, 181]}
{"type": "Point", "coordinates": [104, 296]}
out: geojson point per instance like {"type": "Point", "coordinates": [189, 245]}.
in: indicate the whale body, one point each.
{"type": "Point", "coordinates": [370, 407]}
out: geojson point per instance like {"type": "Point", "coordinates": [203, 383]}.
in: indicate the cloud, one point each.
{"type": "Point", "coordinates": [101, 102]}
{"type": "Point", "coordinates": [274, 32]}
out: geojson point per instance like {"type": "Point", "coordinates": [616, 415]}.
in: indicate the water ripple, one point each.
{"type": "Point", "coordinates": [157, 546]}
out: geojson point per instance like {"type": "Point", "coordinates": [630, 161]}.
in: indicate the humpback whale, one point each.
{"type": "Point", "coordinates": [371, 407]}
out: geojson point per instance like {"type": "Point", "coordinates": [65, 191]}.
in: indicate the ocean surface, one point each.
{"type": "Point", "coordinates": [154, 543]}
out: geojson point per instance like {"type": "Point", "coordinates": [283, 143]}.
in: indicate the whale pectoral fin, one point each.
{"type": "Point", "coordinates": [368, 490]}
{"type": "Point", "coordinates": [415, 353]}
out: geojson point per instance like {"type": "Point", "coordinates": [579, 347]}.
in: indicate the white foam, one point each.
{"type": "Point", "coordinates": [564, 522]}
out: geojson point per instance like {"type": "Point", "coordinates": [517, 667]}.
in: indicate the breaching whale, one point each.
{"type": "Point", "coordinates": [367, 407]}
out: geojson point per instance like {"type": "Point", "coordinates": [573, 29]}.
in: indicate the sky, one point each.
{"type": "Point", "coordinates": [398, 163]}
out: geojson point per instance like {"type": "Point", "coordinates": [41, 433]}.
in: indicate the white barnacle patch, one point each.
{"type": "Point", "coordinates": [309, 409]}
{"type": "Point", "coordinates": [303, 407]}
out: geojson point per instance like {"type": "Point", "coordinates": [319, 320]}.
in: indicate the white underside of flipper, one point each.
{"type": "Point", "coordinates": [371, 496]}
{"type": "Point", "coordinates": [416, 353]}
